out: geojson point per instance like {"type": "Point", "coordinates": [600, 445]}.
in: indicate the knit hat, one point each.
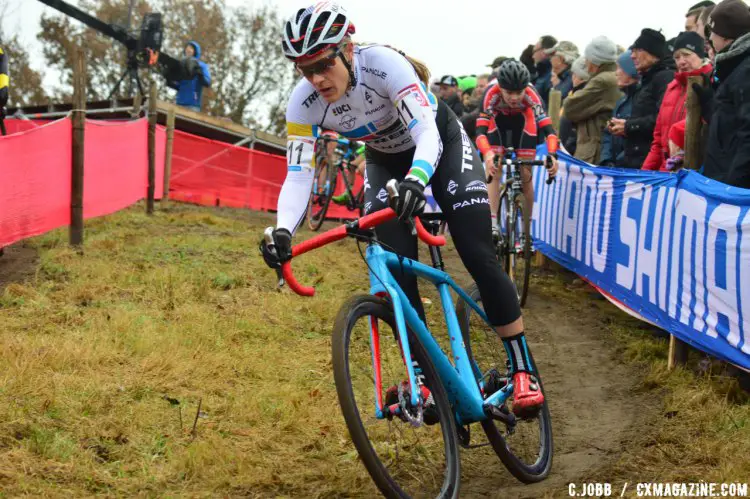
{"type": "Point", "coordinates": [677, 134]}
{"type": "Point", "coordinates": [467, 82]}
{"type": "Point", "coordinates": [690, 41]}
{"type": "Point", "coordinates": [601, 50]}
{"type": "Point", "coordinates": [567, 50]}
{"type": "Point", "coordinates": [579, 69]}
{"type": "Point", "coordinates": [730, 19]}
{"type": "Point", "coordinates": [625, 61]}
{"type": "Point", "coordinates": [651, 41]}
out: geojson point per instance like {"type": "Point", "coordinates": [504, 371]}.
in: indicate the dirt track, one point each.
{"type": "Point", "coordinates": [594, 407]}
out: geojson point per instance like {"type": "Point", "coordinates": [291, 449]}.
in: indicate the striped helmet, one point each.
{"type": "Point", "coordinates": [312, 30]}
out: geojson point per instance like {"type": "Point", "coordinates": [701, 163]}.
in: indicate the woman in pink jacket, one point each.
{"type": "Point", "coordinates": [690, 57]}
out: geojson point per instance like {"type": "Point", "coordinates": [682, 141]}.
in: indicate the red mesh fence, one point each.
{"type": "Point", "coordinates": [214, 173]}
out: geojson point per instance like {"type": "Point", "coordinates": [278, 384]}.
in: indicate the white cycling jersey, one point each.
{"type": "Point", "coordinates": [388, 108]}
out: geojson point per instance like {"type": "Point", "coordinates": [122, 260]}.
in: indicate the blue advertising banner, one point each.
{"type": "Point", "coordinates": [675, 248]}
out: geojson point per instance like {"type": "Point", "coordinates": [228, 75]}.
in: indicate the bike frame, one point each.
{"type": "Point", "coordinates": [460, 381]}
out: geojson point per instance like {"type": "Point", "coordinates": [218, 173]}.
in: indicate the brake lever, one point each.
{"type": "Point", "coordinates": [548, 165]}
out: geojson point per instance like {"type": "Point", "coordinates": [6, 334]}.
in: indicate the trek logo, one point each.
{"type": "Point", "coordinates": [452, 187]}
{"type": "Point", "coordinates": [380, 74]}
{"type": "Point", "coordinates": [468, 154]}
{"type": "Point", "coordinates": [347, 121]}
{"type": "Point", "coordinates": [310, 99]}
{"type": "Point", "coordinates": [373, 111]}
{"type": "Point", "coordinates": [341, 109]}
{"type": "Point", "coordinates": [476, 186]}
{"type": "Point", "coordinates": [382, 195]}
{"type": "Point", "coordinates": [470, 202]}
{"type": "Point", "coordinates": [368, 97]}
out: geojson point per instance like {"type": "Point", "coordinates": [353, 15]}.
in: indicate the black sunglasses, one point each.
{"type": "Point", "coordinates": [319, 67]}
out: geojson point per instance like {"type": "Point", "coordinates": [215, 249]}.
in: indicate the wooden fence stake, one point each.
{"type": "Point", "coordinates": [693, 127]}
{"type": "Point", "coordinates": [168, 156]}
{"type": "Point", "coordinates": [137, 101]}
{"type": "Point", "coordinates": [151, 146]}
{"type": "Point", "coordinates": [555, 104]}
{"type": "Point", "coordinates": [78, 116]}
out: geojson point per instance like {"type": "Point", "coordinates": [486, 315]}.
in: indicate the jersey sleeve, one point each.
{"type": "Point", "coordinates": [543, 122]}
{"type": "Point", "coordinates": [300, 157]}
{"type": "Point", "coordinates": [415, 112]}
{"type": "Point", "coordinates": [485, 118]}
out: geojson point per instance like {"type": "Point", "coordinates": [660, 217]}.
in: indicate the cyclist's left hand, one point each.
{"type": "Point", "coordinates": [410, 201]}
{"type": "Point", "coordinates": [281, 250]}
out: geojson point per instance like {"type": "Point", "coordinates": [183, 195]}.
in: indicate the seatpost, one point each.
{"type": "Point", "coordinates": [433, 227]}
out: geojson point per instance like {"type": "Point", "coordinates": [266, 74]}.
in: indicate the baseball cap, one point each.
{"type": "Point", "coordinates": [449, 80]}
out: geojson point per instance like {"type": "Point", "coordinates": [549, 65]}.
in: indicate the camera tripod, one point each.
{"type": "Point", "coordinates": [132, 71]}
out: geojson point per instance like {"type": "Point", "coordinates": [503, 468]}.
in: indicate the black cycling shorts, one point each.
{"type": "Point", "coordinates": [459, 188]}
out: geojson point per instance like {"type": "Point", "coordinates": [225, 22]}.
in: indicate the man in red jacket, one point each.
{"type": "Point", "coordinates": [690, 58]}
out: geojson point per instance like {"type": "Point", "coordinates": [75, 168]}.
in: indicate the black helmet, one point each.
{"type": "Point", "coordinates": [513, 75]}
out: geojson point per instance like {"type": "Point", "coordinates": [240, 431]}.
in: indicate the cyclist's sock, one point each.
{"type": "Point", "coordinates": [518, 353]}
{"type": "Point", "coordinates": [493, 216]}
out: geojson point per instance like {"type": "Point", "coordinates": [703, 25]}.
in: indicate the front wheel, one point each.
{"type": "Point", "coordinates": [403, 459]}
{"type": "Point", "coordinates": [520, 253]}
{"type": "Point", "coordinates": [525, 448]}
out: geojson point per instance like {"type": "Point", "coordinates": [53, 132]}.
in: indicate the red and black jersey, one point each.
{"type": "Point", "coordinates": [495, 108]}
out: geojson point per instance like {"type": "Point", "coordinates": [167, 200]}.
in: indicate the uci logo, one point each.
{"type": "Point", "coordinates": [348, 121]}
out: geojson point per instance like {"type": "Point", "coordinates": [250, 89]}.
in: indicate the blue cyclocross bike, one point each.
{"type": "Point", "coordinates": [408, 435]}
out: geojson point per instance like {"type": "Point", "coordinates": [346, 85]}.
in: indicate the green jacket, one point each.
{"type": "Point", "coordinates": [590, 108]}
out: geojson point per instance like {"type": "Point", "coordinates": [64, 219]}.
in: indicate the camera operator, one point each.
{"type": "Point", "coordinates": [4, 82]}
{"type": "Point", "coordinates": [190, 91]}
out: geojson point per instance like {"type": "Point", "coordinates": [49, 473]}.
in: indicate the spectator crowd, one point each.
{"type": "Point", "coordinates": [628, 107]}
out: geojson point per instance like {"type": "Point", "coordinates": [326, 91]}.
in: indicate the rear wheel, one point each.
{"type": "Point", "coordinates": [324, 185]}
{"type": "Point", "coordinates": [403, 459]}
{"type": "Point", "coordinates": [525, 447]}
{"type": "Point", "coordinates": [520, 248]}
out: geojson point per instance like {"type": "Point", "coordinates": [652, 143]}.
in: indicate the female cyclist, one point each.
{"type": "Point", "coordinates": [379, 96]}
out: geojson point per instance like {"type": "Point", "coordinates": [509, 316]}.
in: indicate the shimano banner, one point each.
{"type": "Point", "coordinates": [675, 248]}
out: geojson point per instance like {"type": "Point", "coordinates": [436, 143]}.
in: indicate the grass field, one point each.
{"type": "Point", "coordinates": [163, 363]}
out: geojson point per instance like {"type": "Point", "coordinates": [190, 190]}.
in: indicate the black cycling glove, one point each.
{"type": "Point", "coordinates": [278, 252]}
{"type": "Point", "coordinates": [410, 201]}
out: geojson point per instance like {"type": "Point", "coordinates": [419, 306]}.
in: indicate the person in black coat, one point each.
{"type": "Point", "coordinates": [728, 112]}
{"type": "Point", "coordinates": [450, 95]}
{"type": "Point", "coordinates": [656, 68]}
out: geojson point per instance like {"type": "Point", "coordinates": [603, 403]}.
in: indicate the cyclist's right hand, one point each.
{"type": "Point", "coordinates": [279, 251]}
{"type": "Point", "coordinates": [490, 168]}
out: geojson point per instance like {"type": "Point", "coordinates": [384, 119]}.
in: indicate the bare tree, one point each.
{"type": "Point", "coordinates": [251, 77]}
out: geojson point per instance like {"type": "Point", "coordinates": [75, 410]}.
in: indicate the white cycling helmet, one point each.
{"type": "Point", "coordinates": [315, 29]}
